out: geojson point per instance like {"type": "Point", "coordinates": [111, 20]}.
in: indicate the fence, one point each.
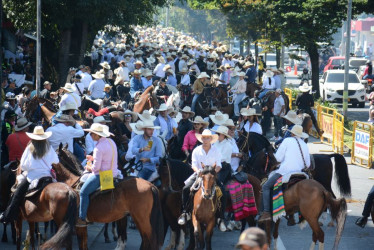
{"type": "Point", "coordinates": [326, 123]}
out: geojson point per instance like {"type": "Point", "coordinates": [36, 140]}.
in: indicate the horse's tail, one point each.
{"type": "Point", "coordinates": [338, 209]}
{"type": "Point", "coordinates": [342, 175]}
{"type": "Point", "coordinates": [64, 233]}
{"type": "Point", "coordinates": [157, 221]}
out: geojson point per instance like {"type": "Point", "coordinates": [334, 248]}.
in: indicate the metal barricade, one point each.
{"type": "Point", "coordinates": [326, 123]}
{"type": "Point", "coordinates": [288, 92]}
{"type": "Point", "coordinates": [338, 133]}
{"type": "Point", "coordinates": [362, 146]}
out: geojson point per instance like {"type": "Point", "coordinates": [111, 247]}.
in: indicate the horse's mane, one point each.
{"type": "Point", "coordinates": [73, 164]}
{"type": "Point", "coordinates": [179, 171]}
{"type": "Point", "coordinates": [259, 137]}
{"type": "Point", "coordinates": [208, 170]}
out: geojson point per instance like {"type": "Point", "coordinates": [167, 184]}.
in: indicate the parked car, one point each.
{"type": "Point", "coordinates": [358, 64]}
{"type": "Point", "coordinates": [331, 86]}
{"type": "Point", "coordinates": [334, 62]}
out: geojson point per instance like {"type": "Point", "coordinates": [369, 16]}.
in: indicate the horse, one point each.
{"type": "Point", "coordinates": [145, 101]}
{"type": "Point", "coordinates": [133, 196]}
{"type": "Point", "coordinates": [251, 88]}
{"type": "Point", "coordinates": [204, 102]}
{"type": "Point", "coordinates": [56, 201]}
{"type": "Point", "coordinates": [221, 100]}
{"type": "Point", "coordinates": [38, 109]}
{"type": "Point", "coordinates": [87, 104]}
{"type": "Point", "coordinates": [185, 96]}
{"type": "Point", "coordinates": [309, 198]}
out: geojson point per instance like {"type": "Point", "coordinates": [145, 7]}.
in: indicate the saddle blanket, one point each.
{"type": "Point", "coordinates": [278, 202]}
{"type": "Point", "coordinates": [242, 199]}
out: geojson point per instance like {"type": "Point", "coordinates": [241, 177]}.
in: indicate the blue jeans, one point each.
{"type": "Point", "coordinates": [145, 173]}
{"type": "Point", "coordinates": [238, 99]}
{"type": "Point", "coordinates": [92, 183]}
{"type": "Point", "coordinates": [266, 191]}
{"type": "Point", "coordinates": [194, 100]}
{"type": "Point", "coordinates": [263, 93]}
{"type": "Point", "coordinates": [78, 152]}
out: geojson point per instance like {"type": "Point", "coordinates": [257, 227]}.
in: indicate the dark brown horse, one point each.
{"type": "Point", "coordinates": [39, 109]}
{"type": "Point", "coordinates": [204, 102]}
{"type": "Point", "coordinates": [251, 88]}
{"type": "Point", "coordinates": [220, 100]}
{"type": "Point", "coordinates": [133, 196]}
{"type": "Point", "coordinates": [145, 101]}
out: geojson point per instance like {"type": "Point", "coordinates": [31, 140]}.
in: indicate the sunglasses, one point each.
{"type": "Point", "coordinates": [127, 115]}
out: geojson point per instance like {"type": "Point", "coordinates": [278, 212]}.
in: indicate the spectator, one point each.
{"type": "Point", "coordinates": [253, 238]}
{"type": "Point", "coordinates": [17, 142]}
{"type": "Point", "coordinates": [46, 92]}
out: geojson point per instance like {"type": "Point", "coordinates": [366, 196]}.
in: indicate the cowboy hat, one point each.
{"type": "Point", "coordinates": [149, 124]}
{"type": "Point", "coordinates": [190, 62]}
{"type": "Point", "coordinates": [248, 64]}
{"type": "Point", "coordinates": [297, 130]}
{"type": "Point", "coordinates": [199, 119]}
{"type": "Point", "coordinates": [305, 87]}
{"type": "Point", "coordinates": [39, 134]}
{"type": "Point", "coordinates": [219, 118]}
{"type": "Point", "coordinates": [22, 123]}
{"type": "Point", "coordinates": [170, 71]}
{"type": "Point", "coordinates": [223, 130]}
{"type": "Point", "coordinates": [184, 56]}
{"type": "Point", "coordinates": [292, 117]}
{"type": "Point", "coordinates": [146, 115]}
{"type": "Point", "coordinates": [10, 96]}
{"type": "Point", "coordinates": [105, 65]}
{"type": "Point", "coordinates": [64, 118]}
{"type": "Point", "coordinates": [241, 73]}
{"type": "Point", "coordinates": [147, 73]}
{"type": "Point", "coordinates": [161, 59]}
{"type": "Point", "coordinates": [137, 72]}
{"type": "Point", "coordinates": [187, 109]}
{"type": "Point", "coordinates": [248, 112]}
{"type": "Point", "coordinates": [99, 119]}
{"type": "Point", "coordinates": [133, 114]}
{"type": "Point", "coordinates": [69, 106]}
{"type": "Point", "coordinates": [202, 75]}
{"type": "Point", "coordinates": [269, 73]}
{"type": "Point", "coordinates": [99, 129]}
{"type": "Point", "coordinates": [163, 107]}
{"type": "Point", "coordinates": [229, 123]}
{"type": "Point", "coordinates": [137, 127]}
{"type": "Point", "coordinates": [151, 60]}
{"type": "Point", "coordinates": [183, 70]}
{"type": "Point", "coordinates": [68, 87]}
{"type": "Point", "coordinates": [107, 86]}
{"type": "Point", "coordinates": [172, 112]}
{"type": "Point", "coordinates": [98, 75]}
{"type": "Point", "coordinates": [206, 133]}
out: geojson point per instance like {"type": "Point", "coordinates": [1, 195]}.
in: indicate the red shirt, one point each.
{"type": "Point", "coordinates": [16, 144]}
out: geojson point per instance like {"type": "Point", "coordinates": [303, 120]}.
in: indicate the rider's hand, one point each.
{"type": "Point", "coordinates": [89, 158]}
{"type": "Point", "coordinates": [147, 148]}
{"type": "Point", "coordinates": [145, 160]}
{"type": "Point", "coordinates": [89, 168]}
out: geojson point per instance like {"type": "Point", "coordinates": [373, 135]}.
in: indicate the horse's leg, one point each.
{"type": "Point", "coordinates": [45, 230]}
{"type": "Point", "coordinates": [244, 223]}
{"type": "Point", "coordinates": [114, 231]}
{"type": "Point", "coordinates": [209, 234]}
{"type": "Point", "coordinates": [32, 227]}
{"type": "Point", "coordinates": [197, 232]}
{"type": "Point", "coordinates": [106, 237]}
{"type": "Point", "coordinates": [82, 237]}
{"type": "Point", "coordinates": [122, 233]}
{"type": "Point", "coordinates": [318, 234]}
{"type": "Point", "coordinates": [13, 229]}
{"type": "Point", "coordinates": [18, 226]}
{"type": "Point", "coordinates": [276, 233]}
{"type": "Point", "coordinates": [5, 236]}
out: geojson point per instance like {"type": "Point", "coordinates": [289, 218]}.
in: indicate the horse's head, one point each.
{"type": "Point", "coordinates": [262, 163]}
{"type": "Point", "coordinates": [68, 160]}
{"type": "Point", "coordinates": [208, 185]}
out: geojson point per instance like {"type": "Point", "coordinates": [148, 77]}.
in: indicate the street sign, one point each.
{"type": "Point", "coordinates": [362, 144]}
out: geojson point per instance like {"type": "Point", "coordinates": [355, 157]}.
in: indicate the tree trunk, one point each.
{"type": "Point", "coordinates": [277, 56]}
{"type": "Point", "coordinates": [314, 60]}
{"type": "Point", "coordinates": [248, 45]}
{"type": "Point", "coordinates": [83, 42]}
{"type": "Point", "coordinates": [256, 54]}
{"type": "Point", "coordinates": [241, 47]}
{"type": "Point", "coordinates": [64, 55]}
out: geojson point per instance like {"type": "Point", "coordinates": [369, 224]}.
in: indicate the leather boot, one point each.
{"type": "Point", "coordinates": [265, 216]}
{"type": "Point", "coordinates": [361, 222]}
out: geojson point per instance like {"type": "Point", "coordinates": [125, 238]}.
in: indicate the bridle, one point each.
{"type": "Point", "coordinates": [203, 191]}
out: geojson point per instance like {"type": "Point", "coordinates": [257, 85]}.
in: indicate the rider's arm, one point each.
{"type": "Point", "coordinates": [158, 151]}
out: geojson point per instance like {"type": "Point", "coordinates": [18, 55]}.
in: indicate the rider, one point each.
{"type": "Point", "coordinates": [190, 139]}
{"type": "Point", "coordinates": [305, 102]}
{"type": "Point", "coordinates": [136, 83]}
{"type": "Point", "coordinates": [305, 76]}
{"type": "Point", "coordinates": [293, 156]}
{"type": "Point", "coordinates": [104, 158]}
{"type": "Point", "coordinates": [361, 222]}
{"type": "Point", "coordinates": [251, 124]}
{"type": "Point", "coordinates": [291, 119]}
{"type": "Point", "coordinates": [162, 92]}
{"type": "Point", "coordinates": [218, 119]}
{"type": "Point", "coordinates": [36, 162]}
{"type": "Point", "coordinates": [97, 86]}
{"type": "Point", "coordinates": [268, 83]}
{"type": "Point", "coordinates": [198, 87]}
{"type": "Point", "coordinates": [206, 154]}
{"type": "Point", "coordinates": [147, 149]}
{"type": "Point", "coordinates": [239, 89]}
{"type": "Point", "coordinates": [69, 96]}
{"type": "Point", "coordinates": [165, 122]}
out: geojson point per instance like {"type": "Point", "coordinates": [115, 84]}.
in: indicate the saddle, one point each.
{"type": "Point", "coordinates": [295, 178]}
{"type": "Point", "coordinates": [42, 183]}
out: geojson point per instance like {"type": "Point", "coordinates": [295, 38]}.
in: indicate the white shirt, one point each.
{"type": "Point", "coordinates": [185, 80]}
{"type": "Point", "coordinates": [199, 156]}
{"type": "Point", "coordinates": [70, 98]}
{"type": "Point", "coordinates": [90, 144]}
{"type": "Point", "coordinates": [289, 156]}
{"type": "Point", "coordinates": [123, 72]}
{"type": "Point", "coordinates": [268, 85]}
{"type": "Point", "coordinates": [79, 85]}
{"type": "Point", "coordinates": [255, 128]}
{"type": "Point", "coordinates": [182, 64]}
{"type": "Point", "coordinates": [278, 103]}
{"type": "Point", "coordinates": [159, 70]}
{"type": "Point", "coordinates": [86, 79]}
{"type": "Point", "coordinates": [37, 168]}
{"type": "Point", "coordinates": [65, 135]}
{"type": "Point", "coordinates": [235, 161]}
{"type": "Point", "coordinates": [96, 88]}
{"type": "Point", "coordinates": [225, 148]}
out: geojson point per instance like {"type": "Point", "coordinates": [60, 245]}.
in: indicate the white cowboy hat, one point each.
{"type": "Point", "coordinates": [229, 123]}
{"type": "Point", "coordinates": [234, 73]}
{"type": "Point", "coordinates": [190, 62]}
{"type": "Point", "coordinates": [151, 60]}
{"type": "Point", "coordinates": [187, 109]}
{"type": "Point", "coordinates": [219, 118]}
{"type": "Point", "coordinates": [205, 133]}
{"type": "Point", "coordinates": [147, 73]}
{"type": "Point", "coordinates": [137, 72]}
{"type": "Point", "coordinates": [292, 117]}
{"type": "Point", "coordinates": [39, 134]}
{"type": "Point", "coordinates": [248, 64]}
{"type": "Point", "coordinates": [107, 86]}
{"type": "Point", "coordinates": [22, 123]}
{"type": "Point", "coordinates": [149, 124]}
{"type": "Point", "coordinates": [99, 129]}
{"type": "Point", "coordinates": [133, 114]}
{"type": "Point", "coordinates": [68, 87]}
{"type": "Point", "coordinates": [223, 130]}
{"type": "Point", "coordinates": [170, 71]}
{"type": "Point", "coordinates": [172, 111]}
{"type": "Point", "coordinates": [163, 107]}
{"type": "Point", "coordinates": [146, 115]}
{"type": "Point", "coordinates": [69, 106]}
{"type": "Point", "coordinates": [99, 119]}
{"type": "Point", "coordinates": [98, 75]}
{"type": "Point", "coordinates": [161, 59]}
{"type": "Point", "coordinates": [137, 127]}
{"type": "Point", "coordinates": [241, 73]}
{"type": "Point", "coordinates": [184, 56]}
{"type": "Point", "coordinates": [202, 75]}
{"type": "Point", "coordinates": [297, 130]}
{"type": "Point", "coordinates": [105, 65]}
{"type": "Point", "coordinates": [248, 112]}
{"type": "Point", "coordinates": [166, 67]}
{"type": "Point", "coordinates": [269, 73]}
{"type": "Point", "coordinates": [305, 87]}
{"type": "Point", "coordinates": [199, 119]}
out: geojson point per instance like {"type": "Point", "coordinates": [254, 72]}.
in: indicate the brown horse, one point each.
{"type": "Point", "coordinates": [38, 109]}
{"type": "Point", "coordinates": [133, 196]}
{"type": "Point", "coordinates": [251, 88]}
{"type": "Point", "coordinates": [145, 101]}
{"type": "Point", "coordinates": [220, 99]}
{"type": "Point", "coordinates": [58, 202]}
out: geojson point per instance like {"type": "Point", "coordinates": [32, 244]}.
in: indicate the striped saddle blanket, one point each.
{"type": "Point", "coordinates": [242, 199]}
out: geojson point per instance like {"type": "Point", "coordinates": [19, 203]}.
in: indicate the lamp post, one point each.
{"type": "Point", "coordinates": [347, 54]}
{"type": "Point", "coordinates": [38, 45]}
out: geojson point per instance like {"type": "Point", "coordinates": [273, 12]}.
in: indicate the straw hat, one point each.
{"type": "Point", "coordinates": [219, 118]}
{"type": "Point", "coordinates": [241, 73]}
{"type": "Point", "coordinates": [68, 87]}
{"type": "Point", "coordinates": [199, 119]}
{"type": "Point", "coordinates": [98, 75]}
{"type": "Point", "coordinates": [202, 75]}
{"type": "Point", "coordinates": [292, 117]}
{"type": "Point", "coordinates": [39, 134]}
{"type": "Point", "coordinates": [137, 127]}
{"type": "Point", "coordinates": [248, 112]}
{"type": "Point", "coordinates": [223, 130]}
{"type": "Point", "coordinates": [146, 115]}
{"type": "Point", "coordinates": [163, 107]}
{"type": "Point", "coordinates": [229, 123]}
{"type": "Point", "coordinates": [99, 119]}
{"type": "Point", "coordinates": [297, 130]}
{"type": "Point", "coordinates": [133, 114]}
{"type": "Point", "coordinates": [64, 118]}
{"type": "Point", "coordinates": [69, 106]}
{"type": "Point", "coordinates": [183, 70]}
{"type": "Point", "coordinates": [149, 124]}
{"type": "Point", "coordinates": [205, 133]}
{"type": "Point", "coordinates": [161, 59]}
{"type": "Point", "coordinates": [305, 87]}
{"type": "Point", "coordinates": [190, 62]}
{"type": "Point", "coordinates": [107, 86]}
{"type": "Point", "coordinates": [234, 73]}
{"type": "Point", "coordinates": [147, 73]}
{"type": "Point", "coordinates": [187, 109]}
{"type": "Point", "coordinates": [22, 123]}
{"type": "Point", "coordinates": [105, 65]}
{"type": "Point", "coordinates": [248, 64]}
{"type": "Point", "coordinates": [99, 129]}
{"type": "Point", "coordinates": [138, 62]}
{"type": "Point", "coordinates": [137, 72]}
{"type": "Point", "coordinates": [269, 73]}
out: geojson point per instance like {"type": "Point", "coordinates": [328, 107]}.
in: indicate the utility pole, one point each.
{"type": "Point", "coordinates": [347, 54]}
{"type": "Point", "coordinates": [38, 44]}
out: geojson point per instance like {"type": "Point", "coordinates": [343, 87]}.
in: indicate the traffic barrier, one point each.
{"type": "Point", "coordinates": [362, 145]}
{"type": "Point", "coordinates": [338, 134]}
{"type": "Point", "coordinates": [288, 93]}
{"type": "Point", "coordinates": [326, 123]}
{"type": "Point", "coordinates": [295, 72]}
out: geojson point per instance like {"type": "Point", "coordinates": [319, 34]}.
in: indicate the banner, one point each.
{"type": "Point", "coordinates": [362, 144]}
{"type": "Point", "coordinates": [327, 125]}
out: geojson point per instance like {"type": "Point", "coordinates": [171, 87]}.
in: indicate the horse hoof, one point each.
{"type": "Point", "coordinates": [331, 224]}
{"type": "Point", "coordinates": [115, 238]}
{"type": "Point", "coordinates": [107, 240]}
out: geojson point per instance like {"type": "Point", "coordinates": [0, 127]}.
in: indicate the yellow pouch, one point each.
{"type": "Point", "coordinates": [106, 177]}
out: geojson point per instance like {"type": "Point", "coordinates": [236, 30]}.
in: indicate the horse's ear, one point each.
{"type": "Point", "coordinates": [66, 146]}
{"type": "Point", "coordinates": [202, 165]}
{"type": "Point", "coordinates": [60, 146]}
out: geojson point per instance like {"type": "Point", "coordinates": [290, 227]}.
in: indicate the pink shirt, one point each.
{"type": "Point", "coordinates": [189, 141]}
{"type": "Point", "coordinates": [103, 154]}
